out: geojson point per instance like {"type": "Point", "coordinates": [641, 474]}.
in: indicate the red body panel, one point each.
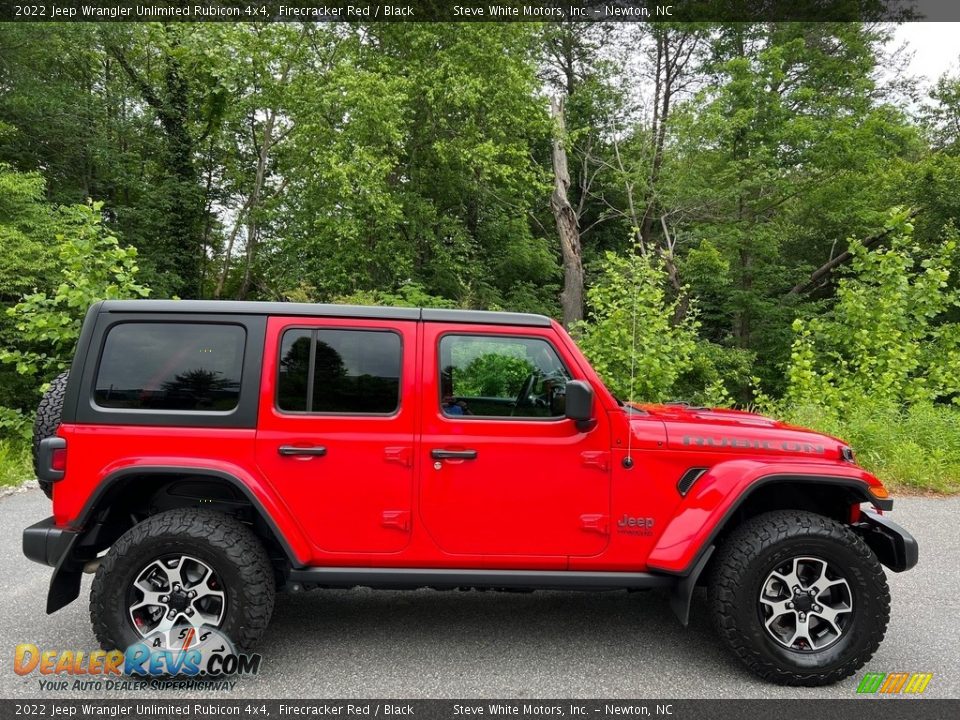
{"type": "Point", "coordinates": [101, 450]}
{"type": "Point", "coordinates": [356, 499]}
{"type": "Point", "coordinates": [541, 494]}
{"type": "Point", "coordinates": [693, 520]}
{"type": "Point", "coordinates": [539, 489]}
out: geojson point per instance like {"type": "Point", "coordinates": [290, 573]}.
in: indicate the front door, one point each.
{"type": "Point", "coordinates": [336, 428]}
{"type": "Point", "coordinates": [504, 473]}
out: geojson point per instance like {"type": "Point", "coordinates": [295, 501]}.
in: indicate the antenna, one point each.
{"type": "Point", "coordinates": [628, 460]}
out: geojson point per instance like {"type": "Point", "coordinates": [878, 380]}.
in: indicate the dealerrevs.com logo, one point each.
{"type": "Point", "coordinates": [894, 683]}
{"type": "Point", "coordinates": [201, 657]}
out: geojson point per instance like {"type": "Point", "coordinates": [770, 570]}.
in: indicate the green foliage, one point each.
{"type": "Point", "coordinates": [410, 165]}
{"type": "Point", "coordinates": [15, 464]}
{"type": "Point", "coordinates": [913, 448]}
{"type": "Point", "coordinates": [788, 147]}
{"type": "Point", "coordinates": [25, 219]}
{"type": "Point", "coordinates": [14, 424]}
{"type": "Point", "coordinates": [492, 374]}
{"type": "Point", "coordinates": [93, 266]}
{"type": "Point", "coordinates": [716, 375]}
{"type": "Point", "coordinates": [407, 295]}
{"type": "Point", "coordinates": [941, 115]}
{"type": "Point", "coordinates": [630, 329]}
{"type": "Point", "coordinates": [891, 336]}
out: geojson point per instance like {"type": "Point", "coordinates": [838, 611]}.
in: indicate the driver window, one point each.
{"type": "Point", "coordinates": [500, 376]}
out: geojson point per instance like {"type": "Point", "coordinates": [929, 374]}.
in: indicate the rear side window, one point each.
{"type": "Point", "coordinates": [346, 372]}
{"type": "Point", "coordinates": [171, 366]}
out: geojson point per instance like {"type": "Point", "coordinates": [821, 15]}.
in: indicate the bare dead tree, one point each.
{"type": "Point", "coordinates": [568, 224]}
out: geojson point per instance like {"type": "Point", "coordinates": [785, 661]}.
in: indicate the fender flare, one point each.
{"type": "Point", "coordinates": [111, 481]}
{"type": "Point", "coordinates": [65, 581]}
{"type": "Point", "coordinates": [681, 594]}
{"type": "Point", "coordinates": [720, 492]}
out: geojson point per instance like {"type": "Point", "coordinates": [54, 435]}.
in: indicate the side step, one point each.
{"type": "Point", "coordinates": [444, 579]}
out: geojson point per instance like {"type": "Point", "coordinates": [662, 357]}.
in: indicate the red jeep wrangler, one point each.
{"type": "Point", "coordinates": [202, 455]}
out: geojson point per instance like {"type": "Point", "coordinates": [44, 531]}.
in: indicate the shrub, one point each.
{"type": "Point", "coordinates": [93, 266]}
{"type": "Point", "coordinates": [631, 327]}
{"type": "Point", "coordinates": [15, 462]}
{"type": "Point", "coordinates": [908, 447]}
{"type": "Point", "coordinates": [891, 336]}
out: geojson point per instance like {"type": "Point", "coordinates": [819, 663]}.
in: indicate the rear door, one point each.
{"type": "Point", "coordinates": [336, 428]}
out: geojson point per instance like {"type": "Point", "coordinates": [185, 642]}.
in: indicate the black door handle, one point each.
{"type": "Point", "coordinates": [291, 450]}
{"type": "Point", "coordinates": [453, 454]}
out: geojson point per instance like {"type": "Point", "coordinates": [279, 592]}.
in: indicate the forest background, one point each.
{"type": "Point", "coordinates": [761, 215]}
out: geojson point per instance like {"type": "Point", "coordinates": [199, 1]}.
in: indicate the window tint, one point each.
{"type": "Point", "coordinates": [339, 371]}
{"type": "Point", "coordinates": [500, 376]}
{"type": "Point", "coordinates": [171, 366]}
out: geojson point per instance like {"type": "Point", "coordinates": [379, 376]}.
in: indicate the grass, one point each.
{"type": "Point", "coordinates": [16, 466]}
{"type": "Point", "coordinates": [914, 449]}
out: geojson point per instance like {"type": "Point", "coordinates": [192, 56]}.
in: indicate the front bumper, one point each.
{"type": "Point", "coordinates": [894, 547]}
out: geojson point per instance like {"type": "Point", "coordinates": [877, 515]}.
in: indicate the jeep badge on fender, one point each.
{"type": "Point", "coordinates": [183, 447]}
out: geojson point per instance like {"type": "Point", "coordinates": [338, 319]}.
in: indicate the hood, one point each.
{"type": "Point", "coordinates": [734, 431]}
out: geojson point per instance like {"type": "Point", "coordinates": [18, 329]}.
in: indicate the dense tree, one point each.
{"type": "Point", "coordinates": [480, 165]}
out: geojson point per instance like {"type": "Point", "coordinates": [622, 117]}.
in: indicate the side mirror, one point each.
{"type": "Point", "coordinates": [579, 399]}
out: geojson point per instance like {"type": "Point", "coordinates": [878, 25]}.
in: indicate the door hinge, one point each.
{"type": "Point", "coordinates": [398, 519]}
{"type": "Point", "coordinates": [399, 455]}
{"type": "Point", "coordinates": [599, 459]}
{"type": "Point", "coordinates": [595, 523]}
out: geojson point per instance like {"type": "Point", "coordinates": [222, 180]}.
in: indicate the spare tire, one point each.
{"type": "Point", "coordinates": [47, 422]}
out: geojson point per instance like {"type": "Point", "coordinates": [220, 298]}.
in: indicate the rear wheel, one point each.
{"type": "Point", "coordinates": [183, 567]}
{"type": "Point", "coordinates": [47, 421]}
{"type": "Point", "coordinates": [799, 598]}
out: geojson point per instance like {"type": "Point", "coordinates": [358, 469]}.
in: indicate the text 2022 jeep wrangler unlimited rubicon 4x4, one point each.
{"type": "Point", "coordinates": [202, 454]}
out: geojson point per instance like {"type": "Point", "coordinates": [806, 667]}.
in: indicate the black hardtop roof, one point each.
{"type": "Point", "coordinates": [234, 307]}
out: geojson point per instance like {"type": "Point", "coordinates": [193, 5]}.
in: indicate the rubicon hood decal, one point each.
{"type": "Point", "coordinates": [723, 441]}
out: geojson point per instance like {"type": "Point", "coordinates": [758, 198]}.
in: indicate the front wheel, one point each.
{"type": "Point", "coordinates": [799, 598]}
{"type": "Point", "coordinates": [179, 568]}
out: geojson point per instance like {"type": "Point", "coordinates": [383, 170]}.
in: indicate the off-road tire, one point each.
{"type": "Point", "coordinates": [740, 569]}
{"type": "Point", "coordinates": [47, 421]}
{"type": "Point", "coordinates": [229, 547]}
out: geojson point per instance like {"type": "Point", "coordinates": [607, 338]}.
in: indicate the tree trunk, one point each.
{"type": "Point", "coordinates": [571, 299]}
{"type": "Point", "coordinates": [821, 273]}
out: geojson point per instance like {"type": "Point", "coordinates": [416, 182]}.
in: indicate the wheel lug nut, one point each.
{"type": "Point", "coordinates": [164, 598]}
{"type": "Point", "coordinates": [192, 594]}
{"type": "Point", "coordinates": [190, 611]}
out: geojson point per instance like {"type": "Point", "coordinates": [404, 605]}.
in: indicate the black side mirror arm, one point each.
{"type": "Point", "coordinates": [585, 425]}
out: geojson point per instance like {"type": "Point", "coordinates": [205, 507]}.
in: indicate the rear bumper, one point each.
{"type": "Point", "coordinates": [47, 544]}
{"type": "Point", "coordinates": [895, 547]}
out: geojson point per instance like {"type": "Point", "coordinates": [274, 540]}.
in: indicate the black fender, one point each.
{"type": "Point", "coordinates": [687, 580]}
{"type": "Point", "coordinates": [67, 549]}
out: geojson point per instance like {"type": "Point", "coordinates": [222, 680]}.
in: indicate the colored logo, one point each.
{"type": "Point", "coordinates": [182, 651]}
{"type": "Point", "coordinates": [894, 683]}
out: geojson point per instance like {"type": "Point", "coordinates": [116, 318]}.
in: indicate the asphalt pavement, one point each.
{"type": "Point", "coordinates": [427, 644]}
